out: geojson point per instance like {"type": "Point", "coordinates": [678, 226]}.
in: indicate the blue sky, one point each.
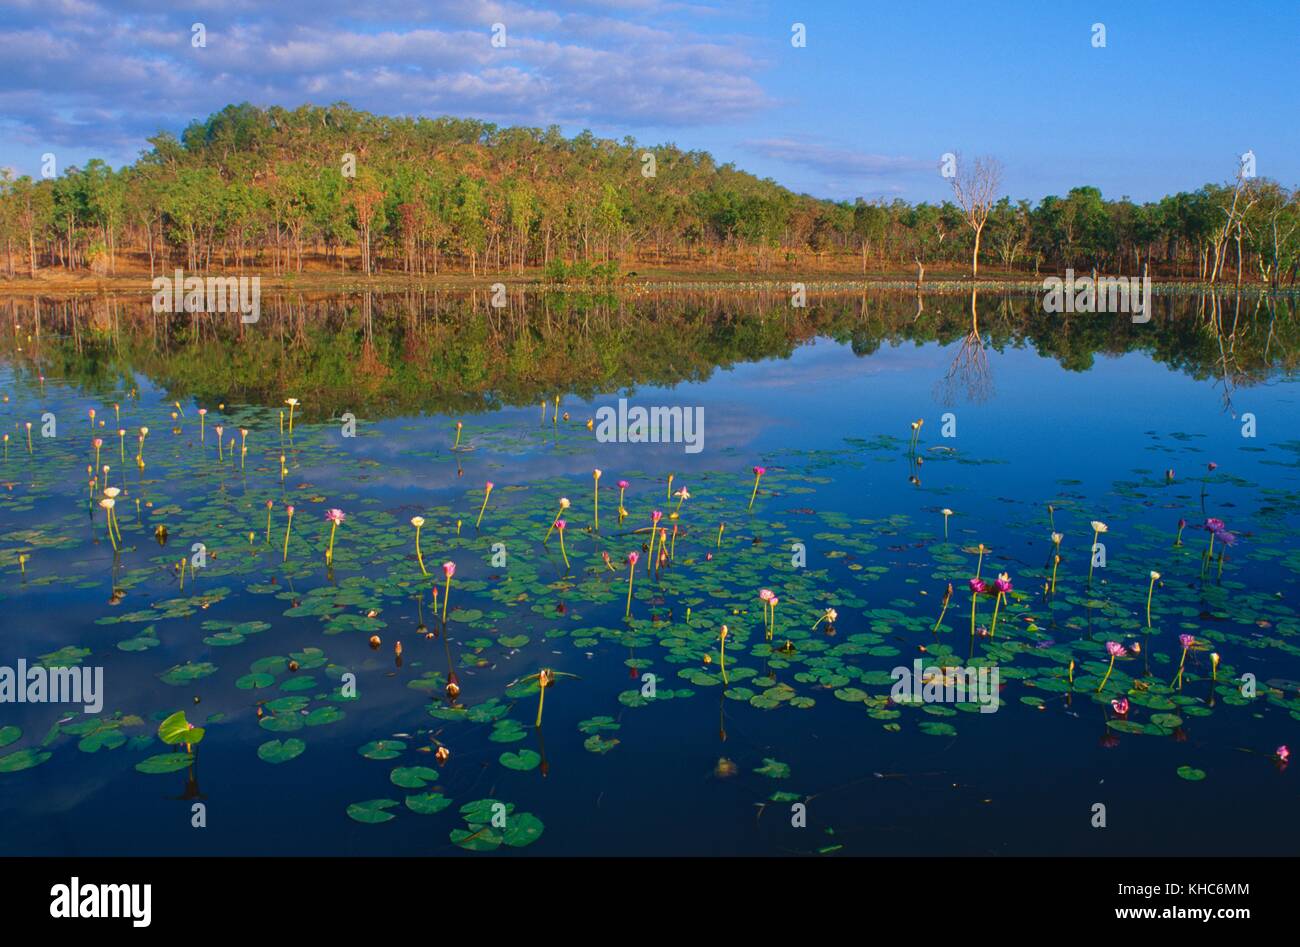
{"type": "Point", "coordinates": [879, 92]}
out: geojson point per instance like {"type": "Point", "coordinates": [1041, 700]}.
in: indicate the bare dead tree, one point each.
{"type": "Point", "coordinates": [976, 185]}
{"type": "Point", "coordinates": [970, 366]}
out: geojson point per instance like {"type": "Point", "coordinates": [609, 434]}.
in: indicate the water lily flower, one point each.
{"type": "Point", "coordinates": [287, 528]}
{"type": "Point", "coordinates": [1115, 650]}
{"type": "Point", "coordinates": [442, 754]}
{"type": "Point", "coordinates": [978, 586]}
{"type": "Point", "coordinates": [335, 517]}
{"type": "Point", "coordinates": [682, 495]}
{"type": "Point", "coordinates": [1188, 642]}
{"type": "Point", "coordinates": [1002, 585]}
{"type": "Point", "coordinates": [459, 426]}
{"type": "Point", "coordinates": [220, 433]}
{"type": "Point", "coordinates": [758, 475]}
{"type": "Point", "coordinates": [92, 419]}
{"type": "Point", "coordinates": [1182, 525]}
{"type": "Point", "coordinates": [772, 603]}
{"type": "Point", "coordinates": [946, 513]}
{"type": "Point", "coordinates": [1212, 466]}
{"type": "Point", "coordinates": [1283, 754]}
{"type": "Point", "coordinates": [947, 597]}
{"type": "Point", "coordinates": [203, 414]}
{"type": "Point", "coordinates": [97, 443]}
{"type": "Point", "coordinates": [418, 522]}
{"type": "Point", "coordinates": [269, 505]}
{"type": "Point", "coordinates": [1120, 706]}
{"type": "Point", "coordinates": [828, 616]}
{"type": "Point", "coordinates": [1155, 577]}
{"type": "Point", "coordinates": [1225, 539]}
{"type": "Point", "coordinates": [292, 403]}
{"type": "Point", "coordinates": [595, 497]}
{"type": "Point", "coordinates": [544, 679]}
{"type": "Point", "coordinates": [564, 505]}
{"type": "Point", "coordinates": [108, 503]}
{"type": "Point", "coordinates": [722, 654]}
{"type": "Point", "coordinates": [487, 492]}
{"type": "Point", "coordinates": [559, 525]}
{"type": "Point", "coordinates": [631, 574]}
{"type": "Point", "coordinates": [1098, 527]}
{"type": "Point", "coordinates": [1214, 665]}
{"type": "Point", "coordinates": [622, 488]}
{"type": "Point", "coordinates": [1056, 558]}
{"type": "Point", "coordinates": [669, 492]}
{"type": "Point", "coordinates": [448, 569]}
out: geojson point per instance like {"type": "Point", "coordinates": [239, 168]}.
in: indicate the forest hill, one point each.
{"type": "Point", "coordinates": [268, 188]}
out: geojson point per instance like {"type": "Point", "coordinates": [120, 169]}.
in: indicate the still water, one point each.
{"type": "Point", "coordinates": [645, 749]}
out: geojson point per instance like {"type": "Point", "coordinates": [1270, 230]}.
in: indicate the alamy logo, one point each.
{"type": "Point", "coordinates": [78, 900]}
{"type": "Point", "coordinates": [1110, 294]}
{"type": "Point", "coordinates": [949, 685]}
{"type": "Point", "coordinates": [656, 425]}
{"type": "Point", "coordinates": [59, 685]}
{"type": "Point", "coordinates": [181, 293]}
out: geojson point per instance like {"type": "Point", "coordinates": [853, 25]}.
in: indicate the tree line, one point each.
{"type": "Point", "coordinates": [276, 190]}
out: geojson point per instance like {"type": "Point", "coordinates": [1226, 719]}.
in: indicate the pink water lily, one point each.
{"type": "Point", "coordinates": [1120, 706]}
{"type": "Point", "coordinates": [1115, 650]}
{"type": "Point", "coordinates": [1283, 753]}
{"type": "Point", "coordinates": [559, 526]}
{"type": "Point", "coordinates": [1187, 641]}
{"type": "Point", "coordinates": [448, 569]}
{"type": "Point", "coordinates": [758, 475]}
{"type": "Point", "coordinates": [335, 517]}
{"type": "Point", "coordinates": [631, 576]}
{"type": "Point", "coordinates": [978, 586]}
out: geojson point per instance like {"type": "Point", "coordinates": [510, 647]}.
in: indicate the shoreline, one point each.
{"type": "Point", "coordinates": [706, 281]}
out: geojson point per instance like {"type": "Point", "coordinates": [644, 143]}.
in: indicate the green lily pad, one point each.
{"type": "Point", "coordinates": [273, 751]}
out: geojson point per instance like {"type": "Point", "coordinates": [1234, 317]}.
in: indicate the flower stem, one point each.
{"type": "Point", "coordinates": [1107, 677]}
